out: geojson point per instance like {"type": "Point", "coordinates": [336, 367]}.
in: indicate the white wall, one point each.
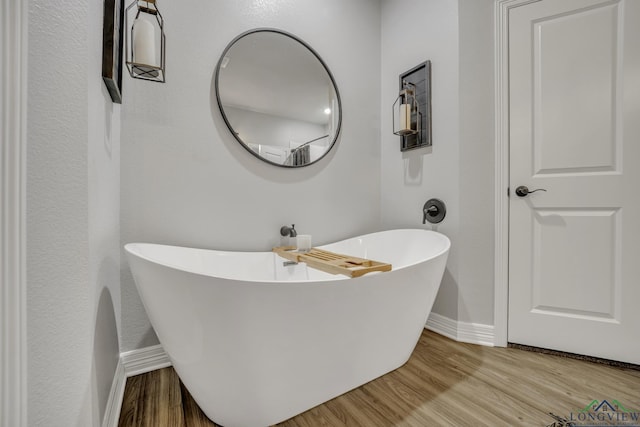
{"type": "Point", "coordinates": [477, 148]}
{"type": "Point", "coordinates": [409, 179]}
{"type": "Point", "coordinates": [104, 219]}
{"type": "Point", "coordinates": [72, 217]}
{"type": "Point", "coordinates": [458, 39]}
{"type": "Point", "coordinates": [187, 181]}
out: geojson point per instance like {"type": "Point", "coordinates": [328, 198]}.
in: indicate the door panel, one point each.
{"type": "Point", "coordinates": [571, 275]}
{"type": "Point", "coordinates": [574, 250]}
{"type": "Point", "coordinates": [575, 78]}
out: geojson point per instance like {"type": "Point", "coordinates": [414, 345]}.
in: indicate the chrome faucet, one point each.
{"type": "Point", "coordinates": [285, 230]}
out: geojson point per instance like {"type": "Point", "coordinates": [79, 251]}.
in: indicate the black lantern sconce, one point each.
{"type": "Point", "coordinates": [145, 41]}
{"type": "Point", "coordinates": [412, 108]}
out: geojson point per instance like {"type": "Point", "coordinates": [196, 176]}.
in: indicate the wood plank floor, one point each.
{"type": "Point", "coordinates": [444, 383]}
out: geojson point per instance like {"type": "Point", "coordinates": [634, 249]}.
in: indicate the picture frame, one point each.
{"type": "Point", "coordinates": [112, 45]}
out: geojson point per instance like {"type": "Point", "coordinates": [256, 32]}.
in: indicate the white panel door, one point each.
{"type": "Point", "coordinates": [574, 250]}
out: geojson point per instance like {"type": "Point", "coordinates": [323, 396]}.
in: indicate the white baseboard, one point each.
{"type": "Point", "coordinates": [474, 333]}
{"type": "Point", "coordinates": [131, 363]}
{"type": "Point", "coordinates": [144, 360]}
{"type": "Point", "coordinates": [443, 326]}
{"type": "Point", "coordinates": [114, 403]}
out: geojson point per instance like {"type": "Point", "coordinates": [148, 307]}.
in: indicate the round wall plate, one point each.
{"type": "Point", "coordinates": [436, 215]}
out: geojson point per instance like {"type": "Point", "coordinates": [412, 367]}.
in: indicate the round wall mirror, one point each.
{"type": "Point", "coordinates": [278, 98]}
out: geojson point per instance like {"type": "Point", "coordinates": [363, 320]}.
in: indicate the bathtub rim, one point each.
{"type": "Point", "coordinates": [337, 277]}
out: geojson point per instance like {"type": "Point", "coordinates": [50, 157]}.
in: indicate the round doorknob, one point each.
{"type": "Point", "coordinates": [523, 191]}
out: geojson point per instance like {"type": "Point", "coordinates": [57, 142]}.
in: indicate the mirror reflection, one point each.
{"type": "Point", "coordinates": [278, 98]}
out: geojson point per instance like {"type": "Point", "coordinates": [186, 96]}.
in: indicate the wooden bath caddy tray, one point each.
{"type": "Point", "coordinates": [331, 262]}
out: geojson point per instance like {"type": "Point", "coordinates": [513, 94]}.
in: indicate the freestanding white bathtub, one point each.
{"type": "Point", "coordinates": [256, 342]}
